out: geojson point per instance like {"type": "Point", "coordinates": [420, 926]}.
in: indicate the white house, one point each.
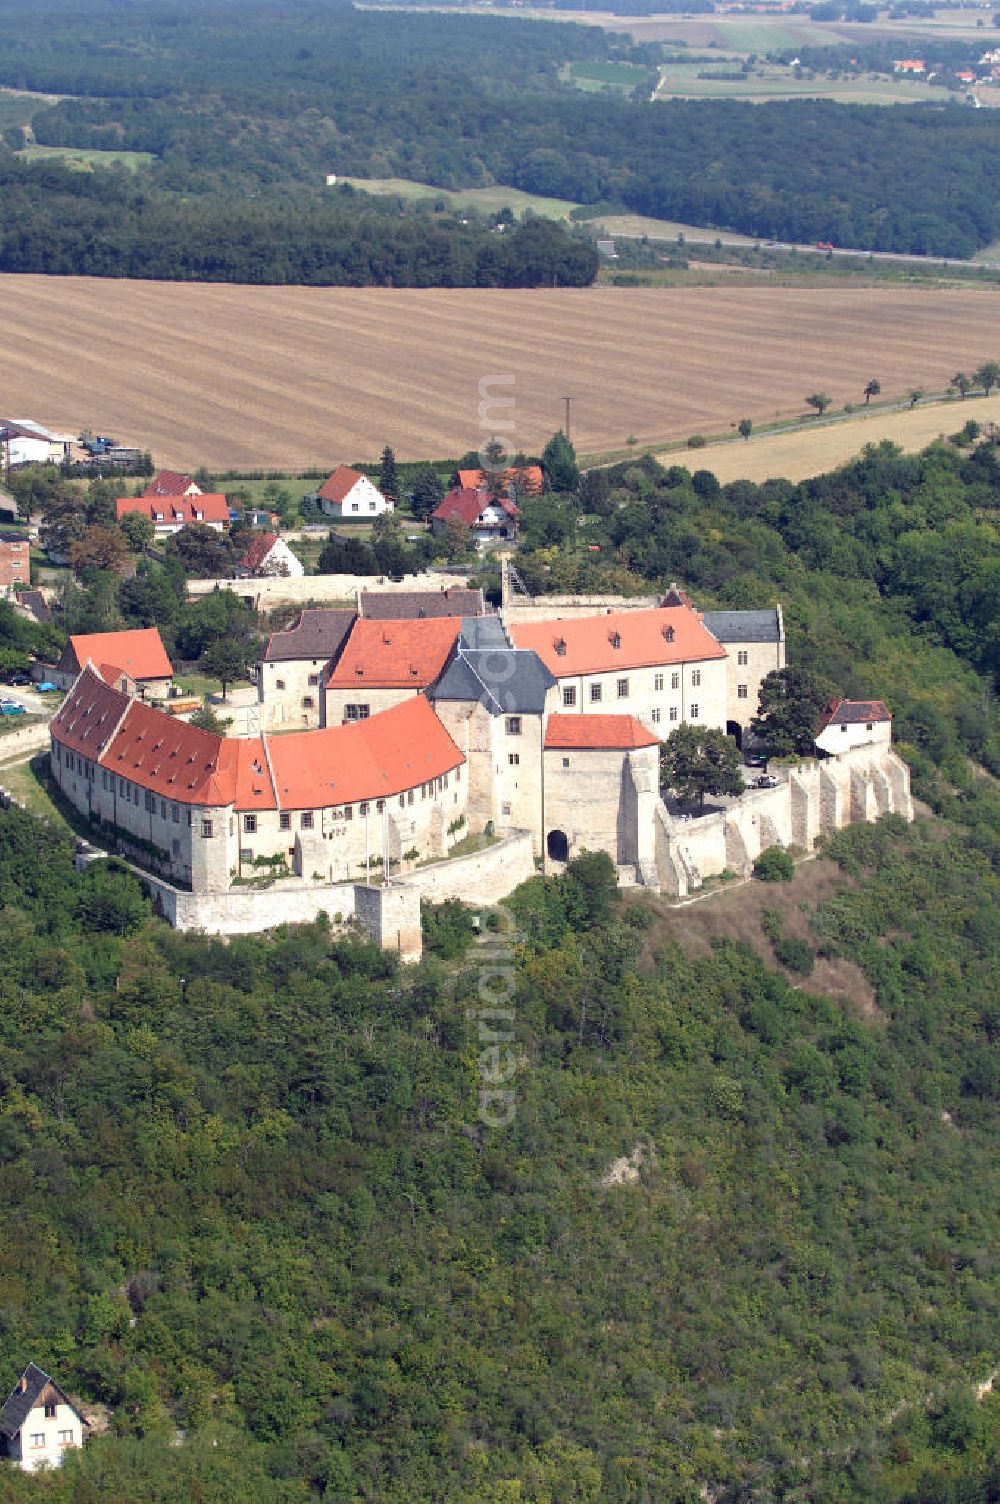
{"type": "Point", "coordinates": [348, 494]}
{"type": "Point", "coordinates": [269, 556]}
{"type": "Point", "coordinates": [489, 519]}
{"type": "Point", "coordinates": [38, 1424]}
{"type": "Point", "coordinates": [853, 723]}
{"type": "Point", "coordinates": [169, 514]}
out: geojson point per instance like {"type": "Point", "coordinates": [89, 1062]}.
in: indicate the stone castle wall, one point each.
{"type": "Point", "coordinates": [812, 800]}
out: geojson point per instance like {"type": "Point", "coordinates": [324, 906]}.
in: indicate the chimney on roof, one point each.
{"type": "Point", "coordinates": [24, 1384]}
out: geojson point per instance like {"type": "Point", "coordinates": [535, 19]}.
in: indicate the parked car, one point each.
{"type": "Point", "coordinates": [17, 679]}
{"type": "Point", "coordinates": [755, 759]}
{"type": "Point", "coordinates": [766, 781]}
{"type": "Point", "coordinates": [11, 707]}
{"type": "Point", "coordinates": [47, 688]}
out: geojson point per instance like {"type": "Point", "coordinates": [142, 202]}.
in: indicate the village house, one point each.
{"type": "Point", "coordinates": [348, 495]}
{"type": "Point", "coordinates": [489, 520]}
{"type": "Point", "coordinates": [853, 723]}
{"type": "Point", "coordinates": [39, 1423]}
{"type": "Point", "coordinates": [291, 674]}
{"type": "Point", "coordinates": [384, 662]}
{"type": "Point", "coordinates": [662, 666]}
{"type": "Point", "coordinates": [169, 514]}
{"type": "Point", "coordinates": [172, 483]}
{"type": "Point", "coordinates": [526, 480]}
{"type": "Point", "coordinates": [15, 564]}
{"type": "Point", "coordinates": [137, 654]}
{"type": "Point", "coordinates": [267, 556]}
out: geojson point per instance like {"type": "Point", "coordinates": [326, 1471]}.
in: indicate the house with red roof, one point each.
{"type": "Point", "coordinates": [349, 496]}
{"type": "Point", "coordinates": [169, 514]}
{"type": "Point", "coordinates": [846, 724]}
{"type": "Point", "coordinates": [523, 480]}
{"type": "Point", "coordinates": [661, 665]}
{"type": "Point", "coordinates": [172, 483]}
{"type": "Point", "coordinates": [268, 556]}
{"type": "Point", "coordinates": [137, 655]}
{"type": "Point", "coordinates": [489, 520]}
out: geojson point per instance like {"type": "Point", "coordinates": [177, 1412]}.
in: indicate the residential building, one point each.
{"type": "Point", "coordinates": [138, 654]}
{"type": "Point", "coordinates": [661, 666]}
{"type": "Point", "coordinates": [384, 662]}
{"type": "Point", "coordinates": [489, 519]}
{"type": "Point", "coordinates": [169, 514]}
{"type": "Point", "coordinates": [527, 480]}
{"type": "Point", "coordinates": [267, 556]}
{"type": "Point", "coordinates": [15, 564]}
{"type": "Point", "coordinates": [292, 672]}
{"type": "Point", "coordinates": [172, 483]}
{"type": "Point", "coordinates": [348, 495]}
{"type": "Point", "coordinates": [39, 1423]}
{"type": "Point", "coordinates": [853, 723]}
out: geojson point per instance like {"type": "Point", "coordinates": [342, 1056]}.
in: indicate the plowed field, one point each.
{"type": "Point", "coordinates": [282, 378]}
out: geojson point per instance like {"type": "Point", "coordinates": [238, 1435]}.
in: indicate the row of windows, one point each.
{"type": "Point", "coordinates": [622, 687]}
{"type": "Point", "coordinates": [38, 1437]}
{"type": "Point", "coordinates": [307, 816]}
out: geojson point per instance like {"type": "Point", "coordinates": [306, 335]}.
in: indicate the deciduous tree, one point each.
{"type": "Point", "coordinates": [700, 760]}
{"type": "Point", "coordinates": [791, 701]}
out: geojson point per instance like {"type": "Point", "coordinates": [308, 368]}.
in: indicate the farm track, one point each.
{"type": "Point", "coordinates": [283, 378]}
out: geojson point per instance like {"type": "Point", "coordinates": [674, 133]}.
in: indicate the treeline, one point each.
{"type": "Point", "coordinates": [267, 103]}
{"type": "Point", "coordinates": [104, 224]}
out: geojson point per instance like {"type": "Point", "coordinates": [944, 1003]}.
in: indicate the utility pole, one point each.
{"type": "Point", "coordinates": [567, 401]}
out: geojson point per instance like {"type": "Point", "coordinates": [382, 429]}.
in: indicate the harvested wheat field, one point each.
{"type": "Point", "coordinates": [797, 454]}
{"type": "Point", "coordinates": [282, 378]}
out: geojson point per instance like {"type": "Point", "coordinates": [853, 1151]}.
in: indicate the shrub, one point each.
{"type": "Point", "coordinates": [447, 927]}
{"type": "Point", "coordinates": [697, 441]}
{"type": "Point", "coordinates": [797, 955]}
{"type": "Point", "coordinates": [774, 866]}
{"type": "Point", "coordinates": [771, 923]}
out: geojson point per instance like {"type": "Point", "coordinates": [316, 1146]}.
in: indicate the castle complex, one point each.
{"type": "Point", "coordinates": [385, 741]}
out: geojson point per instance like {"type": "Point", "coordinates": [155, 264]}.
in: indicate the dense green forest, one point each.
{"type": "Point", "coordinates": [243, 101]}
{"type": "Point", "coordinates": [253, 1210]}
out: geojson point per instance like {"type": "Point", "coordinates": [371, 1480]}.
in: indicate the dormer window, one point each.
{"type": "Point", "coordinates": [615, 639]}
{"type": "Point", "coordinates": [561, 646]}
{"type": "Point", "coordinates": [668, 633]}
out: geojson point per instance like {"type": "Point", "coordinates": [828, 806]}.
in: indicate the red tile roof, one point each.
{"type": "Point", "coordinates": [587, 644]}
{"type": "Point", "coordinates": [168, 510]}
{"type": "Point", "coordinates": [527, 478]}
{"type": "Point", "coordinates": [853, 713]}
{"type": "Point", "coordinates": [139, 651]}
{"type": "Point", "coordinates": [396, 750]}
{"type": "Point", "coordinates": [170, 483]}
{"type": "Point", "coordinates": [467, 505]}
{"type": "Point", "coordinates": [339, 485]}
{"type": "Point", "coordinates": [259, 548]}
{"type": "Point", "coordinates": [89, 715]}
{"type": "Point", "coordinates": [395, 654]}
{"type": "Point", "coordinates": [597, 731]}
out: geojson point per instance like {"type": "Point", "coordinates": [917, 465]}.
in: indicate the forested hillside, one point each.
{"type": "Point", "coordinates": [253, 100]}
{"type": "Point", "coordinates": [252, 1211]}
